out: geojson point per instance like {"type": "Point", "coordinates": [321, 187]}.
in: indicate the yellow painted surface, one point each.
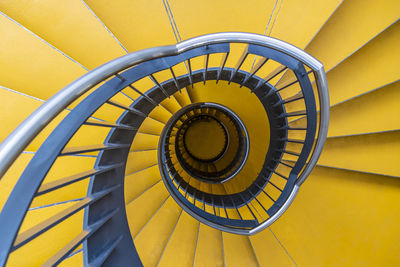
{"type": "Point", "coordinates": [151, 241]}
{"type": "Point", "coordinates": [205, 139]}
{"type": "Point", "coordinates": [268, 250]}
{"type": "Point", "coordinates": [197, 18]}
{"type": "Point", "coordinates": [73, 261]}
{"type": "Point", "coordinates": [342, 218]}
{"type": "Point", "coordinates": [209, 247]}
{"type": "Point", "coordinates": [143, 207]}
{"type": "Point", "coordinates": [63, 167]}
{"type": "Point", "coordinates": [73, 28]}
{"type": "Point", "coordinates": [182, 97]}
{"type": "Point", "coordinates": [249, 109]}
{"type": "Point", "coordinates": [353, 24]}
{"type": "Point", "coordinates": [16, 107]}
{"type": "Point", "coordinates": [151, 126]}
{"type": "Point", "coordinates": [38, 249]}
{"type": "Point", "coordinates": [138, 182]}
{"type": "Point", "coordinates": [376, 153]}
{"type": "Point", "coordinates": [298, 21]}
{"type": "Point", "coordinates": [238, 251]}
{"type": "Point", "coordinates": [123, 18]}
{"type": "Point", "coordinates": [8, 181]}
{"type": "Point", "coordinates": [44, 70]}
{"type": "Point", "coordinates": [374, 65]}
{"type": "Point", "coordinates": [375, 111]}
{"type": "Point", "coordinates": [180, 248]}
{"type": "Point", "coordinates": [160, 114]}
{"type": "Point", "coordinates": [140, 160]}
{"type": "Point", "coordinates": [144, 141]}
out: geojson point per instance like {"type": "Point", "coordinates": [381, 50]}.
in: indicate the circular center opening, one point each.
{"type": "Point", "coordinates": [205, 139]}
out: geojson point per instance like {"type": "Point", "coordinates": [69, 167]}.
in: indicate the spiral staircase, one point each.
{"type": "Point", "coordinates": [120, 151]}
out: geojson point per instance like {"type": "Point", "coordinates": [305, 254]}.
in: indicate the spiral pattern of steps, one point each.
{"type": "Point", "coordinates": [344, 214]}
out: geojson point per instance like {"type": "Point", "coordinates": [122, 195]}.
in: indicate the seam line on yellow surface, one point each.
{"type": "Point", "coordinates": [361, 134]}
{"type": "Point", "coordinates": [143, 150]}
{"type": "Point", "coordinates": [323, 25]}
{"type": "Point", "coordinates": [359, 171]}
{"type": "Point", "coordinates": [276, 16]}
{"type": "Point", "coordinates": [58, 203]}
{"type": "Point", "coordinates": [350, 170]}
{"type": "Point", "coordinates": [169, 238]}
{"type": "Point", "coordinates": [149, 133]}
{"type": "Point", "coordinates": [266, 28]}
{"type": "Point", "coordinates": [77, 155]}
{"type": "Point", "coordinates": [142, 169]}
{"type": "Point", "coordinates": [147, 189]}
{"type": "Point", "coordinates": [355, 51]}
{"type": "Point", "coordinates": [354, 97]}
{"type": "Point", "coordinates": [195, 246]}
{"type": "Point", "coordinates": [280, 243]}
{"type": "Point", "coordinates": [35, 98]}
{"type": "Point", "coordinates": [222, 247]}
{"type": "Point", "coordinates": [252, 249]}
{"type": "Point", "coordinates": [172, 21]}
{"type": "Point", "coordinates": [152, 216]}
{"type": "Point", "coordinates": [44, 41]}
{"type": "Point", "coordinates": [115, 38]}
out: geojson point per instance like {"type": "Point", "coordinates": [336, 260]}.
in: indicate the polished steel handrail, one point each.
{"type": "Point", "coordinates": [19, 139]}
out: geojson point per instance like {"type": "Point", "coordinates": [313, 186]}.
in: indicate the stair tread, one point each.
{"type": "Point", "coordinates": [25, 55]}
{"type": "Point", "coordinates": [269, 250]}
{"type": "Point", "coordinates": [209, 250]}
{"type": "Point", "coordinates": [379, 107]}
{"type": "Point", "coordinates": [143, 208]}
{"type": "Point", "coordinates": [118, 19]}
{"type": "Point", "coordinates": [88, 40]}
{"type": "Point", "coordinates": [139, 160]}
{"type": "Point", "coordinates": [238, 250]}
{"type": "Point", "coordinates": [151, 241]}
{"type": "Point", "coordinates": [138, 182]}
{"type": "Point", "coordinates": [183, 239]}
{"type": "Point", "coordinates": [376, 153]}
{"type": "Point", "coordinates": [350, 198]}
{"type": "Point", "coordinates": [69, 229]}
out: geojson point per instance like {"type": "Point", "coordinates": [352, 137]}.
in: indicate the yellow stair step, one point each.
{"type": "Point", "coordinates": [348, 29]}
{"type": "Point", "coordinates": [38, 249]}
{"type": "Point", "coordinates": [73, 29]}
{"type": "Point", "coordinates": [238, 250]}
{"type": "Point", "coordinates": [145, 141]}
{"type": "Point", "coordinates": [140, 210]}
{"type": "Point", "coordinates": [139, 160]}
{"type": "Point", "coordinates": [25, 55]}
{"type": "Point", "coordinates": [306, 16]}
{"type": "Point", "coordinates": [374, 153]}
{"type": "Point", "coordinates": [374, 65]}
{"type": "Point", "coordinates": [269, 250]}
{"type": "Point", "coordinates": [151, 241]}
{"type": "Point", "coordinates": [197, 18]}
{"type": "Point", "coordinates": [138, 182]}
{"type": "Point", "coordinates": [342, 218]}
{"type": "Point", "coordinates": [122, 18]}
{"type": "Point", "coordinates": [180, 249]}
{"type": "Point", "coordinates": [372, 112]}
{"type": "Point", "coordinates": [209, 250]}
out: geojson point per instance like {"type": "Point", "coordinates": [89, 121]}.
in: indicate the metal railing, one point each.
{"type": "Point", "coordinates": [107, 176]}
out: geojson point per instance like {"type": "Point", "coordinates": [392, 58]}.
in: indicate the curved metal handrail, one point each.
{"type": "Point", "coordinates": [19, 139]}
{"type": "Point", "coordinates": [15, 143]}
